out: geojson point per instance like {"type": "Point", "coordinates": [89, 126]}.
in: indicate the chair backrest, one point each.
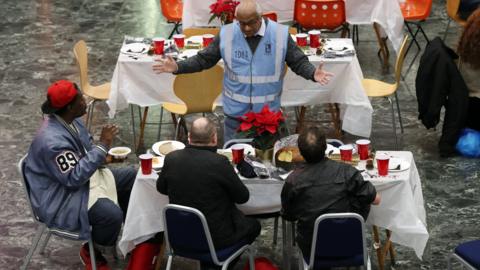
{"type": "Point", "coordinates": [271, 15]}
{"type": "Point", "coordinates": [400, 58]}
{"type": "Point", "coordinates": [187, 233]}
{"type": "Point", "coordinates": [26, 187]}
{"type": "Point", "coordinates": [81, 54]}
{"type": "Point", "coordinates": [188, 32]}
{"type": "Point", "coordinates": [319, 14]}
{"type": "Point", "coordinates": [452, 8]}
{"type": "Point", "coordinates": [341, 236]}
{"type": "Point", "coordinates": [235, 141]}
{"type": "Point", "coordinates": [172, 10]}
{"type": "Point", "coordinates": [199, 90]}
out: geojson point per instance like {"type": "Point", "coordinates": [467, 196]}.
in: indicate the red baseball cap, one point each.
{"type": "Point", "coordinates": [59, 95]}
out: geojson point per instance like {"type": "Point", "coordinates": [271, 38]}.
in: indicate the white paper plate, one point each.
{"type": "Point", "coordinates": [135, 48]}
{"type": "Point", "coordinates": [393, 164]}
{"type": "Point", "coordinates": [247, 148]}
{"type": "Point", "coordinates": [175, 144]}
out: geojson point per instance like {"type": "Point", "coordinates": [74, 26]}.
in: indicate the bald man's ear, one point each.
{"type": "Point", "coordinates": [189, 141]}
{"type": "Point", "coordinates": [215, 139]}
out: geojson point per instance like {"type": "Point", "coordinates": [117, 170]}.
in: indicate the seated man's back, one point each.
{"type": "Point", "coordinates": [198, 177]}
{"type": "Point", "coordinates": [322, 186]}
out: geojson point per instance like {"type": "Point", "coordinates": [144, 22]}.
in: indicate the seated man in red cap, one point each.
{"type": "Point", "coordinates": [70, 189]}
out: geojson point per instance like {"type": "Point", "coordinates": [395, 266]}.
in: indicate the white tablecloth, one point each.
{"type": "Point", "coordinates": [134, 82]}
{"type": "Point", "coordinates": [387, 13]}
{"type": "Point", "coordinates": [401, 209]}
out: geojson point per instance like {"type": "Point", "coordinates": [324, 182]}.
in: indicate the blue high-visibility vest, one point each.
{"type": "Point", "coordinates": [252, 80]}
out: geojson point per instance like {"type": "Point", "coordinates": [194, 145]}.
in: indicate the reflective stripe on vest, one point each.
{"type": "Point", "coordinates": [245, 99]}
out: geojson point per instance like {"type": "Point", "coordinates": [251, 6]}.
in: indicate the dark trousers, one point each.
{"type": "Point", "coordinates": [105, 216]}
{"type": "Point", "coordinates": [473, 118]}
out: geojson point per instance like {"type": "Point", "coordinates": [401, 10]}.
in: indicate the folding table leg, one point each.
{"type": "Point", "coordinates": [140, 145]}
{"type": "Point", "coordinates": [391, 250]}
{"type": "Point", "coordinates": [377, 245]}
{"type": "Point", "coordinates": [159, 259]}
{"type": "Point", "coordinates": [383, 46]}
{"type": "Point", "coordinates": [300, 118]}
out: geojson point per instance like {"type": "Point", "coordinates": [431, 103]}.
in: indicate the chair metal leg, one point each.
{"type": "Point", "coordinates": [446, 30]}
{"type": "Point", "coordinates": [45, 242]}
{"type": "Point", "coordinates": [251, 261]}
{"type": "Point", "coordinates": [40, 230]}
{"type": "Point", "coordinates": [398, 111]}
{"type": "Point", "coordinates": [449, 262]}
{"type": "Point", "coordinates": [92, 254]}
{"type": "Point", "coordinates": [393, 123]}
{"type": "Point", "coordinates": [275, 232]}
{"type": "Point", "coordinates": [177, 129]}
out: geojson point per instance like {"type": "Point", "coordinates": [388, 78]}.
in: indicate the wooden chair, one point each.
{"type": "Point", "coordinates": [96, 93]}
{"type": "Point", "coordinates": [198, 91]}
{"type": "Point", "coordinates": [452, 7]}
{"type": "Point", "coordinates": [172, 10]}
{"type": "Point", "coordinates": [328, 15]}
{"type": "Point", "coordinates": [375, 88]}
{"type": "Point", "coordinates": [198, 31]}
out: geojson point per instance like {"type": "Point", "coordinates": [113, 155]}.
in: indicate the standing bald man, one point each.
{"type": "Point", "coordinates": [254, 51]}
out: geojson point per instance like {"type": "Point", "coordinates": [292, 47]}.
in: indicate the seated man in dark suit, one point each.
{"type": "Point", "coordinates": [198, 177]}
{"type": "Point", "coordinates": [322, 186]}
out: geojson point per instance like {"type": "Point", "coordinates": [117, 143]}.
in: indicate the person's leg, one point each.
{"type": "Point", "coordinates": [230, 127]}
{"type": "Point", "coordinates": [473, 119]}
{"type": "Point", "coordinates": [106, 219]}
{"type": "Point", "coordinates": [124, 179]}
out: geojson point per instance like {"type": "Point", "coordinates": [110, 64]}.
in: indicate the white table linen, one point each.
{"type": "Point", "coordinates": [401, 209]}
{"type": "Point", "coordinates": [386, 13]}
{"type": "Point", "coordinates": [134, 82]}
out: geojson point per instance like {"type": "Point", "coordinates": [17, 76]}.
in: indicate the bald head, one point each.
{"type": "Point", "coordinates": [249, 16]}
{"type": "Point", "coordinates": [203, 132]}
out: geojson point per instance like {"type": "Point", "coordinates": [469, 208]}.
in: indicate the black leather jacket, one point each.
{"type": "Point", "coordinates": [324, 187]}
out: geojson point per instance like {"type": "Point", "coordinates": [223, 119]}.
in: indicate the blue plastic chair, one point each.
{"type": "Point", "coordinates": [42, 228]}
{"type": "Point", "coordinates": [338, 241]}
{"type": "Point", "coordinates": [187, 235]}
{"type": "Point", "coordinates": [468, 254]}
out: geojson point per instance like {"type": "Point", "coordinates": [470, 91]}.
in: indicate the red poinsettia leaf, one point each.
{"type": "Point", "coordinates": [245, 126]}
{"type": "Point", "coordinates": [271, 128]}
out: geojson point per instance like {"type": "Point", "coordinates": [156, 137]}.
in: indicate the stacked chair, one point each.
{"type": "Point", "coordinates": [172, 10]}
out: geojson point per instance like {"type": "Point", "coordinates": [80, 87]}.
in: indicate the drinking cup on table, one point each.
{"type": "Point", "coordinates": [362, 146]}
{"type": "Point", "coordinates": [301, 39]}
{"type": "Point", "coordinates": [237, 153]}
{"type": "Point", "coordinates": [314, 38]}
{"type": "Point", "coordinates": [346, 152]}
{"type": "Point", "coordinates": [158, 44]}
{"type": "Point", "coordinates": [382, 164]}
{"type": "Point", "coordinates": [179, 40]}
{"type": "Point", "coordinates": [146, 163]}
{"type": "Point", "coordinates": [207, 38]}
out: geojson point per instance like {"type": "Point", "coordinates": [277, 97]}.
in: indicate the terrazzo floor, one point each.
{"type": "Point", "coordinates": [36, 39]}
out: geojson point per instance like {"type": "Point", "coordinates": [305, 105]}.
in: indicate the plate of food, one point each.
{"type": "Point", "coordinates": [120, 152]}
{"type": "Point", "coordinates": [162, 148]}
{"type": "Point", "coordinates": [157, 162]}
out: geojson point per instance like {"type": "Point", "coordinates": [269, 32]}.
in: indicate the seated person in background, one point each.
{"type": "Point", "coordinates": [322, 186]}
{"type": "Point", "coordinates": [467, 7]}
{"type": "Point", "coordinates": [469, 66]}
{"type": "Point", "coordinates": [198, 177]}
{"type": "Point", "coordinates": [69, 187]}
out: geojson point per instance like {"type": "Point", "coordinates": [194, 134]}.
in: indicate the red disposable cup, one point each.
{"type": "Point", "coordinates": [179, 40]}
{"type": "Point", "coordinates": [146, 163]}
{"type": "Point", "coordinates": [158, 44]}
{"type": "Point", "coordinates": [301, 39]}
{"type": "Point", "coordinates": [207, 38]}
{"type": "Point", "coordinates": [314, 38]}
{"type": "Point", "coordinates": [382, 164]}
{"type": "Point", "coordinates": [363, 146]}
{"type": "Point", "coordinates": [346, 152]}
{"type": "Point", "coordinates": [237, 154]}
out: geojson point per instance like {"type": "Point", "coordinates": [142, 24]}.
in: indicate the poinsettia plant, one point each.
{"type": "Point", "coordinates": [224, 10]}
{"type": "Point", "coordinates": [264, 127]}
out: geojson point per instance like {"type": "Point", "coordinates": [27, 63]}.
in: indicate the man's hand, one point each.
{"type": "Point", "coordinates": [321, 76]}
{"type": "Point", "coordinates": [108, 133]}
{"type": "Point", "coordinates": [164, 64]}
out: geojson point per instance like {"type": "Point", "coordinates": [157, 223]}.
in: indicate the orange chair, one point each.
{"type": "Point", "coordinates": [321, 14]}
{"type": "Point", "coordinates": [271, 15]}
{"type": "Point", "coordinates": [452, 7]}
{"type": "Point", "coordinates": [172, 11]}
{"type": "Point", "coordinates": [414, 13]}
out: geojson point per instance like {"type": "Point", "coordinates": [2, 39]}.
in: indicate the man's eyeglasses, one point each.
{"type": "Point", "coordinates": [249, 23]}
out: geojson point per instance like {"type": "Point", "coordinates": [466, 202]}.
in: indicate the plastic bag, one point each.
{"type": "Point", "coordinates": [469, 143]}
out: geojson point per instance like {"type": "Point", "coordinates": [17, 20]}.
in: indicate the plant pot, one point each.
{"type": "Point", "coordinates": [265, 155]}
